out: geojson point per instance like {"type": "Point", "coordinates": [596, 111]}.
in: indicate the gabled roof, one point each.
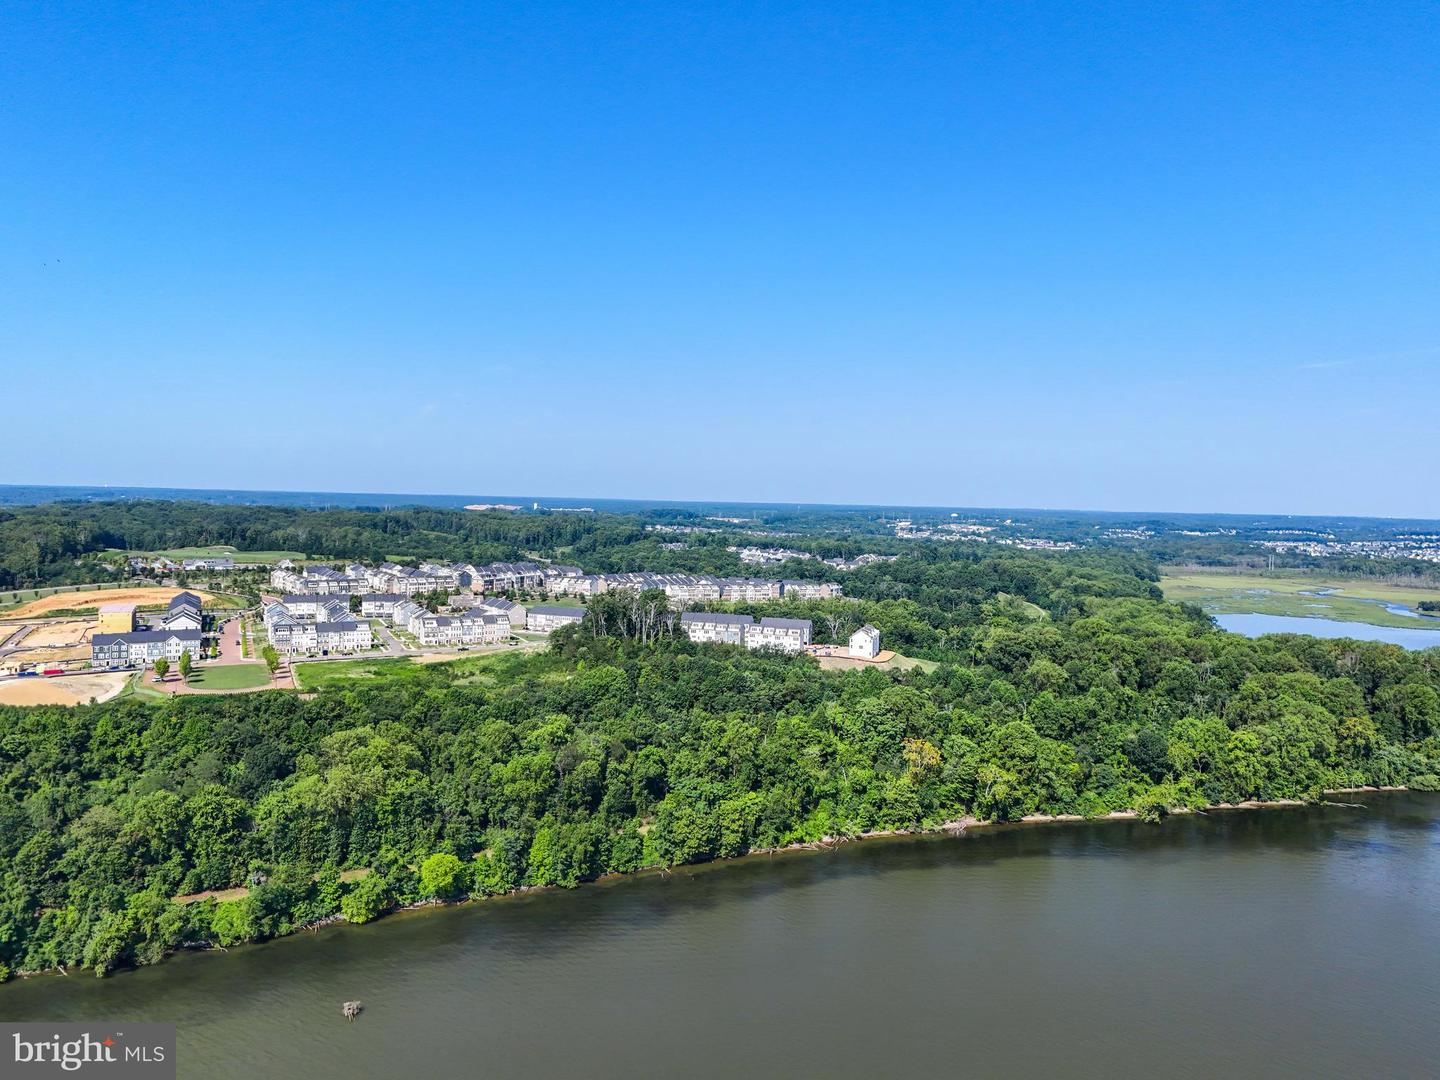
{"type": "Point", "coordinates": [716, 617]}
{"type": "Point", "coordinates": [139, 637]}
{"type": "Point", "coordinates": [787, 624]}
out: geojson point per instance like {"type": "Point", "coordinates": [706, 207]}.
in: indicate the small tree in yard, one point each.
{"type": "Point", "coordinates": [185, 664]}
{"type": "Point", "coordinates": [271, 658]}
{"type": "Point", "coordinates": [162, 668]}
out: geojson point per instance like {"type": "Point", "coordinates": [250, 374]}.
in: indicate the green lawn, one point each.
{"type": "Point", "coordinates": [319, 675]}
{"type": "Point", "coordinates": [221, 551]}
{"type": "Point", "coordinates": [1348, 599]}
{"type": "Point", "coordinates": [230, 677]}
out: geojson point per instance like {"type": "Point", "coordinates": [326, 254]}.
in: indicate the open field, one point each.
{"type": "Point", "coordinates": [71, 632]}
{"type": "Point", "coordinates": [69, 690]}
{"type": "Point", "coordinates": [903, 663]}
{"type": "Point", "coordinates": [229, 677]}
{"type": "Point", "coordinates": [10, 599]}
{"type": "Point", "coordinates": [219, 551]}
{"type": "Point", "coordinates": [322, 674]}
{"type": "Point", "coordinates": [140, 596]}
{"type": "Point", "coordinates": [1327, 597]}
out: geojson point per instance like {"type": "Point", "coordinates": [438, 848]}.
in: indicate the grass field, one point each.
{"type": "Point", "coordinates": [230, 677]}
{"type": "Point", "coordinates": [219, 551]}
{"type": "Point", "coordinates": [1326, 597]}
{"type": "Point", "coordinates": [320, 675]}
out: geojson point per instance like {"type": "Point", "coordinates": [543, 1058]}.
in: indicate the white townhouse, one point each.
{"type": "Point", "coordinates": [788, 635]}
{"type": "Point", "coordinates": [498, 605]}
{"type": "Point", "coordinates": [749, 590]}
{"type": "Point", "coordinates": [319, 608]}
{"type": "Point", "coordinates": [472, 628]}
{"type": "Point", "coordinates": [379, 605]}
{"type": "Point", "coordinates": [347, 635]}
{"type": "Point", "coordinates": [545, 618]}
{"type": "Point", "coordinates": [865, 642]}
{"type": "Point", "coordinates": [811, 590]}
{"type": "Point", "coordinates": [405, 614]}
{"type": "Point", "coordinates": [715, 627]}
{"type": "Point", "coordinates": [207, 564]}
{"type": "Point", "coordinates": [183, 613]}
{"type": "Point", "coordinates": [141, 648]}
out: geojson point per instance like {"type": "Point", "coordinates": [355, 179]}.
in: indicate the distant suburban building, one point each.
{"type": "Point", "coordinates": [347, 635]}
{"type": "Point", "coordinates": [318, 581]}
{"type": "Point", "coordinates": [141, 648]}
{"type": "Point", "coordinates": [471, 628]}
{"type": "Point", "coordinates": [327, 626]}
{"type": "Point", "coordinates": [207, 564]}
{"type": "Point", "coordinates": [715, 627]}
{"type": "Point", "coordinates": [865, 642]}
{"type": "Point", "coordinates": [379, 605]}
{"type": "Point", "coordinates": [507, 577]}
{"type": "Point", "coordinates": [544, 618]}
{"type": "Point", "coordinates": [116, 618]}
{"type": "Point", "coordinates": [789, 635]}
{"type": "Point", "coordinates": [318, 608]}
{"type": "Point", "coordinates": [498, 605]}
{"type": "Point", "coordinates": [184, 613]}
{"type": "Point", "coordinates": [811, 590]}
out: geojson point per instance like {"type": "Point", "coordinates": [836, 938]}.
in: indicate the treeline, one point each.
{"type": "Point", "coordinates": [41, 544]}
{"type": "Point", "coordinates": [1065, 686]}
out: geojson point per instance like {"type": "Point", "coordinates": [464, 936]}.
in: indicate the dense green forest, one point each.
{"type": "Point", "coordinates": [63, 542]}
{"type": "Point", "coordinates": [1064, 685]}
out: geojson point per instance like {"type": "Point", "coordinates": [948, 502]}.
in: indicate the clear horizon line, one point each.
{"type": "Point", "coordinates": [798, 504]}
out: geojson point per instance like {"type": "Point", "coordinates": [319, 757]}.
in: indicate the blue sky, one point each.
{"type": "Point", "coordinates": [1169, 257]}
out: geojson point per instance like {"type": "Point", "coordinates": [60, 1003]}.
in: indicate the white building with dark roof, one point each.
{"type": "Point", "coordinates": [141, 648]}
{"type": "Point", "coordinates": [545, 618]}
{"type": "Point", "coordinates": [714, 627]}
{"type": "Point", "coordinates": [183, 613]}
{"type": "Point", "coordinates": [865, 643]}
{"type": "Point", "coordinates": [379, 605]}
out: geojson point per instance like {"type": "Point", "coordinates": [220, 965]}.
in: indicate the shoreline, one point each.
{"type": "Point", "coordinates": [955, 828]}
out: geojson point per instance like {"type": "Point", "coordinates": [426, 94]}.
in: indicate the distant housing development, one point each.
{"type": "Point", "coordinates": [389, 579]}
{"type": "Point", "coordinates": [207, 564]}
{"type": "Point", "coordinates": [788, 635]}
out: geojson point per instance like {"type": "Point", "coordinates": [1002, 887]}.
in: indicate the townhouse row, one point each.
{"type": "Point", "coordinates": [717, 627]}
{"type": "Point", "coordinates": [312, 626]}
{"type": "Point", "coordinates": [122, 641]}
{"type": "Point", "coordinates": [692, 588]}
{"type": "Point", "coordinates": [558, 580]}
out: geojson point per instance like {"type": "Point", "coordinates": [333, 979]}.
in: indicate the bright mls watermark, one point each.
{"type": "Point", "coordinates": [122, 1051]}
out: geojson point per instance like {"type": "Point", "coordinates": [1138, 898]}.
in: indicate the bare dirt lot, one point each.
{"type": "Point", "coordinates": [68, 690]}
{"type": "Point", "coordinates": [70, 632]}
{"type": "Point", "coordinates": [70, 601]}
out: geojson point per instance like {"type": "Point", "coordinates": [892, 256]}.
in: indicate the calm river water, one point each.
{"type": "Point", "coordinates": [1298, 942]}
{"type": "Point", "coordinates": [1254, 624]}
